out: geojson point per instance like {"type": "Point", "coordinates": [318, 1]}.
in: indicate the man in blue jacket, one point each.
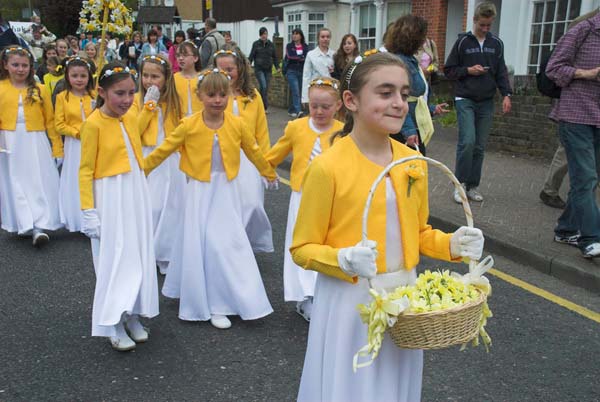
{"type": "Point", "coordinates": [476, 62]}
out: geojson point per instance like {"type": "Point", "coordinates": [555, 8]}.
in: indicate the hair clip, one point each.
{"type": "Point", "coordinates": [359, 59]}
{"type": "Point", "coordinates": [153, 57]}
{"type": "Point", "coordinates": [58, 68]}
{"type": "Point", "coordinates": [203, 74]}
{"type": "Point", "coordinates": [116, 70]}
{"type": "Point", "coordinates": [70, 59]}
{"type": "Point", "coordinates": [319, 82]}
{"type": "Point", "coordinates": [226, 52]}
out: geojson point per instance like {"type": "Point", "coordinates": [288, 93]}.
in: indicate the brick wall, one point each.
{"type": "Point", "coordinates": [436, 14]}
{"type": "Point", "coordinates": [279, 91]}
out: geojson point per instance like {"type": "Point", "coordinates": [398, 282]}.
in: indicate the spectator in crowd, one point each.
{"type": "Point", "coordinates": [575, 67]}
{"type": "Point", "coordinates": [163, 38]}
{"type": "Point", "coordinates": [318, 63]}
{"type": "Point", "coordinates": [130, 50]}
{"type": "Point", "coordinates": [228, 40]}
{"type": "Point", "coordinates": [89, 38]}
{"type": "Point", "coordinates": [293, 65]}
{"type": "Point", "coordinates": [476, 62]}
{"type": "Point", "coordinates": [91, 52]}
{"type": "Point", "coordinates": [62, 48]}
{"type": "Point", "coordinates": [111, 43]}
{"type": "Point", "coordinates": [427, 55]}
{"type": "Point", "coordinates": [74, 49]}
{"type": "Point", "coordinates": [211, 42]}
{"type": "Point", "coordinates": [49, 51]}
{"type": "Point", "coordinates": [404, 39]}
{"type": "Point", "coordinates": [37, 39]}
{"type": "Point", "coordinates": [109, 54]}
{"type": "Point", "coordinates": [8, 37]}
{"type": "Point", "coordinates": [179, 37]}
{"type": "Point", "coordinates": [153, 46]}
{"type": "Point", "coordinates": [192, 34]}
{"type": "Point", "coordinates": [346, 53]}
{"type": "Point", "coordinates": [264, 57]}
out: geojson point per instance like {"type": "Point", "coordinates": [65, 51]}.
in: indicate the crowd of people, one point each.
{"type": "Point", "coordinates": [162, 158]}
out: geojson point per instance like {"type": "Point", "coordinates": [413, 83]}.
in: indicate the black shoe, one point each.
{"type": "Point", "coordinates": [571, 240]}
{"type": "Point", "coordinates": [553, 201]}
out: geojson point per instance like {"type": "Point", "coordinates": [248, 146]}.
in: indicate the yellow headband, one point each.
{"type": "Point", "coordinates": [203, 74]}
{"type": "Point", "coordinates": [319, 82]}
{"type": "Point", "coordinates": [158, 58]}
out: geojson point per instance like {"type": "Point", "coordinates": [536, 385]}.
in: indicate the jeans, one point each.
{"type": "Point", "coordinates": [582, 146]}
{"type": "Point", "coordinates": [294, 78]}
{"type": "Point", "coordinates": [263, 77]}
{"type": "Point", "coordinates": [474, 124]}
{"type": "Point", "coordinates": [556, 172]}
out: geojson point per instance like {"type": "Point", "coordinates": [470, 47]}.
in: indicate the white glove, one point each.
{"type": "Point", "coordinates": [59, 162]}
{"type": "Point", "coordinates": [4, 151]}
{"type": "Point", "coordinates": [90, 224]}
{"type": "Point", "coordinates": [271, 184]}
{"type": "Point", "coordinates": [467, 242]}
{"type": "Point", "coordinates": [152, 94]}
{"type": "Point", "coordinates": [359, 260]}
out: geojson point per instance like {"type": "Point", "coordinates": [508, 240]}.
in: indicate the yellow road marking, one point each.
{"type": "Point", "coordinates": [592, 315]}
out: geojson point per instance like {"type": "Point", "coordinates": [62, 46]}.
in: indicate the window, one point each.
{"type": "Point", "coordinates": [550, 21]}
{"type": "Point", "coordinates": [397, 9]}
{"type": "Point", "coordinates": [294, 21]}
{"type": "Point", "coordinates": [366, 27]}
{"type": "Point", "coordinates": [316, 21]}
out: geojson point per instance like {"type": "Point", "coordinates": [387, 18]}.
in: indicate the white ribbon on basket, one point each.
{"type": "Point", "coordinates": [475, 274]}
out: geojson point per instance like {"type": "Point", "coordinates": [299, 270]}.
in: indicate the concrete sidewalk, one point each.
{"type": "Point", "coordinates": [516, 224]}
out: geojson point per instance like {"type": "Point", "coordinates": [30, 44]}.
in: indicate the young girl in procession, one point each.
{"type": "Point", "coordinates": [28, 174]}
{"type": "Point", "coordinates": [186, 80]}
{"type": "Point", "coordinates": [246, 102]}
{"type": "Point", "coordinates": [305, 138]}
{"type": "Point", "coordinates": [334, 193]}
{"type": "Point", "coordinates": [158, 108]}
{"type": "Point", "coordinates": [213, 270]}
{"type": "Point", "coordinates": [73, 106]}
{"type": "Point", "coordinates": [55, 73]}
{"type": "Point", "coordinates": [117, 213]}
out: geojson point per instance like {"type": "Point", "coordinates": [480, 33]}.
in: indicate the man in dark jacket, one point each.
{"type": "Point", "coordinates": [264, 57]}
{"type": "Point", "coordinates": [476, 62]}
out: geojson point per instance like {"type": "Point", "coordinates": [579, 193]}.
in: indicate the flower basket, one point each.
{"type": "Point", "coordinates": [432, 329]}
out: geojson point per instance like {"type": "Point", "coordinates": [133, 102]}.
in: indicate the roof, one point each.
{"type": "Point", "coordinates": [189, 10]}
{"type": "Point", "coordinates": [156, 14]}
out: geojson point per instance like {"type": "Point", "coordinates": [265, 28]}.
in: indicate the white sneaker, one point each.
{"type": "Point", "coordinates": [457, 197]}
{"type": "Point", "coordinates": [474, 195]}
{"type": "Point", "coordinates": [304, 308]}
{"type": "Point", "coordinates": [162, 267]}
{"type": "Point", "coordinates": [591, 251]}
{"type": "Point", "coordinates": [137, 332]}
{"type": "Point", "coordinates": [220, 321]}
{"type": "Point", "coordinates": [39, 238]}
{"type": "Point", "coordinates": [121, 342]}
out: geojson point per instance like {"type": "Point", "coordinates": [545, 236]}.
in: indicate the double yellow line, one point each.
{"type": "Point", "coordinates": [587, 313]}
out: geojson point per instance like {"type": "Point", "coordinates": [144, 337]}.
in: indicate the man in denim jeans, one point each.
{"type": "Point", "coordinates": [476, 62]}
{"type": "Point", "coordinates": [264, 56]}
{"type": "Point", "coordinates": [575, 67]}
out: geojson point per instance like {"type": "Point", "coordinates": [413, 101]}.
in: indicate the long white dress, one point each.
{"type": "Point", "coordinates": [213, 270]}
{"type": "Point", "coordinates": [28, 180]}
{"type": "Point", "coordinates": [252, 192]}
{"type": "Point", "coordinates": [70, 205]}
{"type": "Point", "coordinates": [166, 185]}
{"type": "Point", "coordinates": [336, 333]}
{"type": "Point", "coordinates": [298, 283]}
{"type": "Point", "coordinates": [124, 255]}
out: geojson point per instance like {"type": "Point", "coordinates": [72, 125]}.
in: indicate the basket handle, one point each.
{"type": "Point", "coordinates": [443, 168]}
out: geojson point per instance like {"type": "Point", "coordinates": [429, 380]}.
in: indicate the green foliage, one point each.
{"type": "Point", "coordinates": [448, 119]}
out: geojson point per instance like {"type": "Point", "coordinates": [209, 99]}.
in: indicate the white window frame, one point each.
{"type": "Point", "coordinates": [315, 24]}
{"type": "Point", "coordinates": [293, 21]}
{"type": "Point", "coordinates": [366, 41]}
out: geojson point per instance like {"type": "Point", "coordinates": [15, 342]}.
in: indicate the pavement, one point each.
{"type": "Point", "coordinates": [515, 223]}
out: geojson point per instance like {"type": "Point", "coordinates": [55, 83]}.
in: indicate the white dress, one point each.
{"type": "Point", "coordinates": [124, 255]}
{"type": "Point", "coordinates": [166, 185]}
{"type": "Point", "coordinates": [252, 192]}
{"type": "Point", "coordinates": [336, 333]}
{"type": "Point", "coordinates": [213, 270]}
{"type": "Point", "coordinates": [28, 180]}
{"type": "Point", "coordinates": [298, 283]}
{"type": "Point", "coordinates": [70, 205]}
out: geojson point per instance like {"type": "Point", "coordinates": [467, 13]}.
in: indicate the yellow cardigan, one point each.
{"type": "Point", "coordinates": [39, 115]}
{"type": "Point", "coordinates": [334, 193]}
{"type": "Point", "coordinates": [299, 139]}
{"type": "Point", "coordinates": [197, 141]}
{"type": "Point", "coordinates": [67, 113]}
{"type": "Point", "coordinates": [103, 150]}
{"type": "Point", "coordinates": [253, 113]}
{"type": "Point", "coordinates": [185, 87]}
{"type": "Point", "coordinates": [148, 121]}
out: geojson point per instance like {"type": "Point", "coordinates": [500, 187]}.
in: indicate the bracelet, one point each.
{"type": "Point", "coordinates": [150, 105]}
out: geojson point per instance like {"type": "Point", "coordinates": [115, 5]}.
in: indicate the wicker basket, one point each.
{"type": "Point", "coordinates": [435, 329]}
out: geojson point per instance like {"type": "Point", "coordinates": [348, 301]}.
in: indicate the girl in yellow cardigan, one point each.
{"type": "Point", "coordinates": [305, 138]}
{"type": "Point", "coordinates": [159, 112]}
{"type": "Point", "coordinates": [55, 73]}
{"type": "Point", "coordinates": [374, 90]}
{"type": "Point", "coordinates": [72, 107]}
{"type": "Point", "coordinates": [246, 103]}
{"type": "Point", "coordinates": [28, 174]}
{"type": "Point", "coordinates": [117, 213]}
{"type": "Point", "coordinates": [213, 271]}
{"type": "Point", "coordinates": [186, 80]}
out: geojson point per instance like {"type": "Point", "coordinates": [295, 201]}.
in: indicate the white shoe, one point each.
{"type": "Point", "coordinates": [136, 331]}
{"type": "Point", "coordinates": [591, 251]}
{"type": "Point", "coordinates": [220, 321]}
{"type": "Point", "coordinates": [39, 238]}
{"type": "Point", "coordinates": [162, 267]}
{"type": "Point", "coordinates": [121, 342]}
{"type": "Point", "coordinates": [457, 198]}
{"type": "Point", "coordinates": [304, 308]}
{"type": "Point", "coordinates": [474, 195]}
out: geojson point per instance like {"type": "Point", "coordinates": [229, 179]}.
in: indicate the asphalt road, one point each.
{"type": "Point", "coordinates": [541, 351]}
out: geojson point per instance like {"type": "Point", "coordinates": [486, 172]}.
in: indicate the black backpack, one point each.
{"type": "Point", "coordinates": [544, 84]}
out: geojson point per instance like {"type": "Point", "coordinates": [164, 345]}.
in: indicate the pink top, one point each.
{"type": "Point", "coordinates": [173, 58]}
